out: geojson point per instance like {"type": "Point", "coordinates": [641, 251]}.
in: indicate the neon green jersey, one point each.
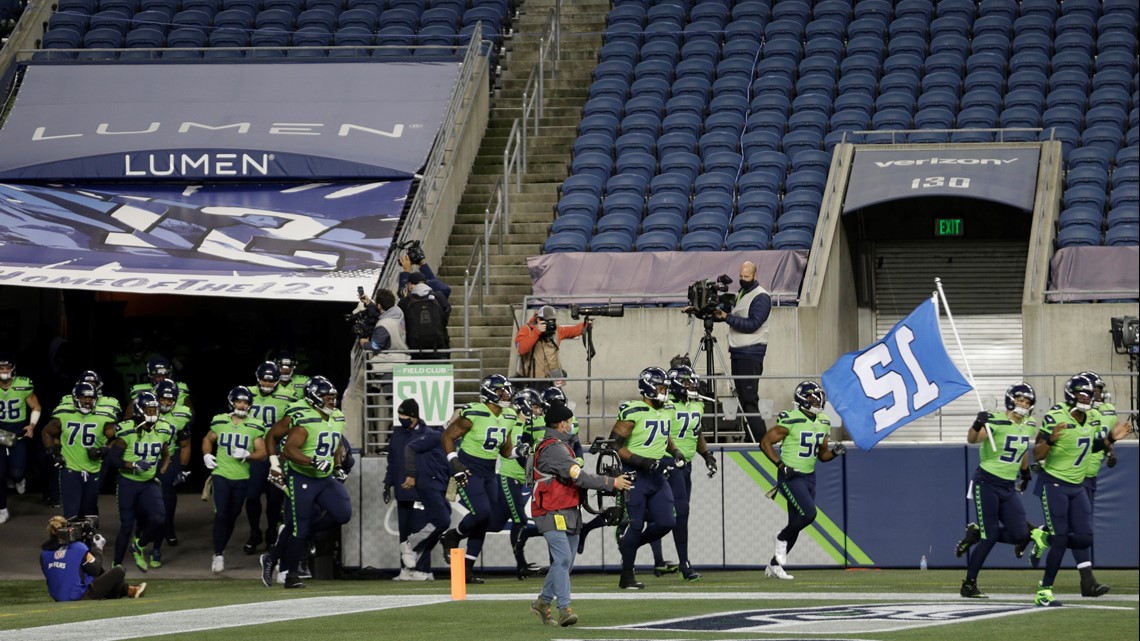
{"type": "Point", "coordinates": [651, 427]}
{"type": "Point", "coordinates": [687, 426]}
{"type": "Point", "coordinates": [1068, 458]}
{"type": "Point", "coordinates": [145, 445]}
{"type": "Point", "coordinates": [233, 433]}
{"type": "Point", "coordinates": [269, 408]}
{"type": "Point", "coordinates": [323, 440]}
{"type": "Point", "coordinates": [108, 405]}
{"type": "Point", "coordinates": [183, 391]}
{"type": "Point", "coordinates": [510, 467]}
{"type": "Point", "coordinates": [14, 402]}
{"type": "Point", "coordinates": [180, 418]}
{"type": "Point", "coordinates": [78, 432]}
{"type": "Point", "coordinates": [800, 448]}
{"type": "Point", "coordinates": [1108, 420]}
{"type": "Point", "coordinates": [488, 432]}
{"type": "Point", "coordinates": [295, 388]}
{"type": "Point", "coordinates": [1012, 440]}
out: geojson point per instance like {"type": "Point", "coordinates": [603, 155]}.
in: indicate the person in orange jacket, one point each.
{"type": "Point", "coordinates": [538, 344]}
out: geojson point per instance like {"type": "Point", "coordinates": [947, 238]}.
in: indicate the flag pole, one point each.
{"type": "Point", "coordinates": [961, 350]}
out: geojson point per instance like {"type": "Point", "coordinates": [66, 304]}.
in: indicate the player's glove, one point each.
{"type": "Point", "coordinates": [459, 472]}
{"type": "Point", "coordinates": [678, 459]}
{"type": "Point", "coordinates": [211, 461]}
{"type": "Point", "coordinates": [181, 478]}
{"type": "Point", "coordinates": [523, 450]}
{"type": "Point", "coordinates": [710, 463]}
{"type": "Point", "coordinates": [322, 465]}
{"type": "Point", "coordinates": [787, 473]}
{"type": "Point", "coordinates": [142, 466]}
{"type": "Point", "coordinates": [980, 421]}
{"type": "Point", "coordinates": [838, 449]}
{"type": "Point", "coordinates": [644, 462]}
{"type": "Point", "coordinates": [1023, 481]}
{"type": "Point", "coordinates": [96, 453]}
{"type": "Point", "coordinates": [387, 493]}
{"type": "Point", "coordinates": [99, 541]}
{"type": "Point", "coordinates": [1110, 458]}
{"type": "Point", "coordinates": [340, 475]}
{"type": "Point", "coordinates": [57, 458]}
{"type": "Point", "coordinates": [240, 453]}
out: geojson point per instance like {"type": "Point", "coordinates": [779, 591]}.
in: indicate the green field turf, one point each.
{"type": "Point", "coordinates": [504, 615]}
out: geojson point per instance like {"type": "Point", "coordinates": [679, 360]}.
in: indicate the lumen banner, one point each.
{"type": "Point", "coordinates": [225, 122]}
{"type": "Point", "coordinates": [313, 241]}
{"type": "Point", "coordinates": [1005, 175]}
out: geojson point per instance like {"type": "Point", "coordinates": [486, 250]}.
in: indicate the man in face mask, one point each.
{"type": "Point", "coordinates": [747, 344]}
{"type": "Point", "coordinates": [410, 519]}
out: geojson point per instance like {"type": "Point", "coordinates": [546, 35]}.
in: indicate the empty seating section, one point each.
{"type": "Point", "coordinates": [723, 113]}
{"type": "Point", "coordinates": [381, 28]}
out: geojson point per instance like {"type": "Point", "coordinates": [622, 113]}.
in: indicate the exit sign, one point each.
{"type": "Point", "coordinates": [948, 227]}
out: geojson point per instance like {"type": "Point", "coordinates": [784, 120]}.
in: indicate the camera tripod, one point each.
{"type": "Point", "coordinates": [712, 353]}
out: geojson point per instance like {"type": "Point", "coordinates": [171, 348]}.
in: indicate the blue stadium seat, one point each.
{"type": "Point", "coordinates": [819, 65]}
{"type": "Point", "coordinates": [756, 219]}
{"type": "Point", "coordinates": [665, 221]}
{"type": "Point", "coordinates": [1127, 175]}
{"type": "Point", "coordinates": [867, 27]}
{"type": "Point", "coordinates": [691, 86]}
{"type": "Point", "coordinates": [1125, 196]}
{"type": "Point", "coordinates": [849, 120]}
{"type": "Point", "coordinates": [292, 6]}
{"type": "Point", "coordinates": [606, 104]}
{"type": "Point", "coordinates": [656, 241]}
{"type": "Point", "coordinates": [117, 20]}
{"type": "Point", "coordinates": [683, 122]}
{"type": "Point", "coordinates": [233, 18]}
{"type": "Point", "coordinates": [596, 164]}
{"type": "Point", "coordinates": [838, 10]}
{"type": "Point", "coordinates": [820, 84]}
{"type": "Point", "coordinates": [227, 37]}
{"type": "Point", "coordinates": [908, 46]}
{"type": "Point", "coordinates": [582, 184]}
{"type": "Point", "coordinates": [792, 239]}
{"type": "Point", "coordinates": [1081, 216]}
{"type": "Point", "coordinates": [1109, 96]}
{"type": "Point", "coordinates": [725, 162]}
{"type": "Point", "coordinates": [1005, 8]}
{"type": "Point", "coordinates": [651, 105]}
{"type": "Point", "coordinates": [611, 242]}
{"type": "Point", "coordinates": [1029, 60]}
{"type": "Point", "coordinates": [760, 180]}
{"type": "Point", "coordinates": [637, 163]}
{"type": "Point", "coordinates": [758, 201]}
{"type": "Point", "coordinates": [716, 141]}
{"type": "Point", "coordinates": [1027, 79]}
{"type": "Point", "coordinates": [492, 19]}
{"type": "Point", "coordinates": [1123, 216]}
{"type": "Point", "coordinates": [783, 47]}
{"type": "Point", "coordinates": [806, 179]}
{"type": "Point", "coordinates": [810, 121]}
{"type": "Point", "coordinates": [725, 121]}
{"type": "Point", "coordinates": [824, 46]}
{"type": "Point", "coordinates": [611, 87]}
{"type": "Point", "coordinates": [624, 51]}
{"type": "Point", "coordinates": [702, 30]}
{"type": "Point", "coordinates": [76, 22]}
{"type": "Point", "coordinates": [578, 203]}
{"type": "Point", "coordinates": [971, 136]}
{"type": "Point", "coordinates": [1072, 61]}
{"type": "Point", "coordinates": [934, 118]}
{"type": "Point", "coordinates": [671, 182]}
{"type": "Point", "coordinates": [627, 13]}
{"type": "Point", "coordinates": [1067, 98]}
{"type": "Point", "coordinates": [798, 219]}
{"type": "Point", "coordinates": [802, 200]}
{"type": "Point", "coordinates": [583, 225]}
{"type": "Point", "coordinates": [747, 240]}
{"type": "Point", "coordinates": [87, 7]}
{"type": "Point", "coordinates": [751, 10]}
{"type": "Point", "coordinates": [900, 81]}
{"type": "Point", "coordinates": [934, 137]}
{"type": "Point", "coordinates": [717, 183]}
{"type": "Point", "coordinates": [1089, 156]}
{"type": "Point", "coordinates": [103, 38]}
{"type": "Point", "coordinates": [716, 202]}
{"type": "Point", "coordinates": [635, 143]}
{"type": "Point", "coordinates": [61, 39]}
{"type": "Point", "coordinates": [1068, 137]}
{"type": "Point", "coordinates": [592, 143]}
{"type": "Point", "coordinates": [619, 221]}
{"type": "Point", "coordinates": [1019, 117]}
{"type": "Point", "coordinates": [1078, 236]}
{"type": "Point", "coordinates": [791, 29]}
{"type": "Point", "coordinates": [274, 18]}
{"type": "Point", "coordinates": [1116, 59]}
{"type": "Point", "coordinates": [1085, 196]}
{"type": "Point", "coordinates": [654, 68]}
{"type": "Point", "coordinates": [711, 220]}
{"type": "Point", "coordinates": [769, 123]}
{"type": "Point", "coordinates": [993, 25]}
{"type": "Point", "coordinates": [626, 183]}
{"type": "Point", "coordinates": [702, 240]}
{"type": "Point", "coordinates": [1122, 235]}
{"type": "Point", "coordinates": [669, 202]}
{"type": "Point", "coordinates": [623, 203]}
{"type": "Point", "coordinates": [1103, 136]}
{"type": "Point", "coordinates": [1033, 24]}
{"type": "Point", "coordinates": [209, 6]}
{"type": "Point", "coordinates": [1075, 42]}
{"type": "Point", "coordinates": [651, 86]}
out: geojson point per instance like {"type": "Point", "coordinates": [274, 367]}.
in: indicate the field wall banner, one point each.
{"type": "Point", "coordinates": [312, 241]}
{"type": "Point", "coordinates": [1006, 175]}
{"type": "Point", "coordinates": [235, 122]}
{"type": "Point", "coordinates": [886, 508]}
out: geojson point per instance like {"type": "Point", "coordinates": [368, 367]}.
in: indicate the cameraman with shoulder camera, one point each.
{"type": "Point", "coordinates": [72, 563]}
{"type": "Point", "coordinates": [415, 256]}
{"type": "Point", "coordinates": [747, 344]}
{"type": "Point", "coordinates": [538, 344]}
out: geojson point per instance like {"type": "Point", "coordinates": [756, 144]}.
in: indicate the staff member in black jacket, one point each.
{"type": "Point", "coordinates": [747, 344]}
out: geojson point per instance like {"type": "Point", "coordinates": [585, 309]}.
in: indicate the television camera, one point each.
{"type": "Point", "coordinates": [414, 250]}
{"type": "Point", "coordinates": [78, 528]}
{"type": "Point", "coordinates": [608, 503]}
{"type": "Point", "coordinates": [706, 296]}
{"type": "Point", "coordinates": [363, 322]}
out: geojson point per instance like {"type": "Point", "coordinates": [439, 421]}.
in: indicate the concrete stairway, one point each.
{"type": "Point", "coordinates": [548, 156]}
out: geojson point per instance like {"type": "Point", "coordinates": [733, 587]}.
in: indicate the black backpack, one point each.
{"type": "Point", "coordinates": [423, 321]}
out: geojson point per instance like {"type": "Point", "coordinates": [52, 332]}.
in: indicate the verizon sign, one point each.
{"type": "Point", "coordinates": [1003, 175]}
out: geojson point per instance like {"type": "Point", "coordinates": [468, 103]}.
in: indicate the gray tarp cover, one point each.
{"type": "Point", "coordinates": [1094, 273]}
{"type": "Point", "coordinates": [664, 277]}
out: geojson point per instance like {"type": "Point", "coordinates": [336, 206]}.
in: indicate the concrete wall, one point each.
{"type": "Point", "coordinates": [1067, 339]}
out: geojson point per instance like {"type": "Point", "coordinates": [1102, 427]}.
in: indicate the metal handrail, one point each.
{"type": "Point", "coordinates": [480, 269]}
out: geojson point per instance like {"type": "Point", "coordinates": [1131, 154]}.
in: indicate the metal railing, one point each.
{"type": "Point", "coordinates": [497, 214]}
{"type": "Point", "coordinates": [893, 133]}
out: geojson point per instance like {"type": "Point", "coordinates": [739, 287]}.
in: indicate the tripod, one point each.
{"type": "Point", "coordinates": [590, 352]}
{"type": "Point", "coordinates": [708, 346]}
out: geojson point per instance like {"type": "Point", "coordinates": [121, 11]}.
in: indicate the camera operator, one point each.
{"type": "Point", "coordinates": [538, 344]}
{"type": "Point", "coordinates": [426, 314]}
{"type": "Point", "coordinates": [72, 563]}
{"type": "Point", "coordinates": [415, 256]}
{"type": "Point", "coordinates": [747, 344]}
{"type": "Point", "coordinates": [559, 479]}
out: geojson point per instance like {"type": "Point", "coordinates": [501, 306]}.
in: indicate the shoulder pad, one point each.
{"type": "Point", "coordinates": [1049, 419]}
{"type": "Point", "coordinates": [1056, 407]}
{"type": "Point", "coordinates": [125, 432]}
{"type": "Point", "coordinates": [823, 419]}
{"type": "Point", "coordinates": [782, 415]}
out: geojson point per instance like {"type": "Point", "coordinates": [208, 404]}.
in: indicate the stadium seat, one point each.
{"type": "Point", "coordinates": [676, 142]}
{"type": "Point", "coordinates": [582, 184]}
{"type": "Point", "coordinates": [582, 225]}
{"type": "Point", "coordinates": [938, 137]}
{"type": "Point", "coordinates": [755, 220]}
{"type": "Point", "coordinates": [1122, 235]}
{"type": "Point", "coordinates": [792, 239]}
{"type": "Point", "coordinates": [626, 183]}
{"type": "Point", "coordinates": [692, 86]}
{"type": "Point", "coordinates": [656, 241]}
{"type": "Point", "coordinates": [637, 163]}
{"type": "Point", "coordinates": [1127, 175]}
{"type": "Point", "coordinates": [623, 51]}
{"type": "Point", "coordinates": [1123, 216]}
{"type": "Point", "coordinates": [650, 105]}
{"type": "Point", "coordinates": [664, 221]}
{"type": "Point", "coordinates": [578, 203]}
{"type": "Point", "coordinates": [702, 240]}
{"type": "Point", "coordinates": [619, 221]}
{"type": "Point", "coordinates": [1125, 196]}
{"type": "Point", "coordinates": [713, 202]}
{"type": "Point", "coordinates": [756, 141]}
{"type": "Point", "coordinates": [1077, 236]}
{"type": "Point", "coordinates": [1084, 196]}
{"type": "Point", "coordinates": [677, 183]}
{"type": "Point", "coordinates": [1080, 216]}
{"type": "Point", "coordinates": [611, 242]}
{"type": "Point", "coordinates": [759, 180]}
{"type": "Point", "coordinates": [715, 182]}
{"type": "Point", "coordinates": [798, 219]}
{"type": "Point", "coordinates": [623, 203]}
{"type": "Point", "coordinates": [764, 202]}
{"type": "Point", "coordinates": [716, 141]}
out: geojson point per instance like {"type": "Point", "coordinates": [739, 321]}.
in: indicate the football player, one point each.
{"type": "Point", "coordinates": [75, 437]}
{"type": "Point", "coordinates": [19, 413]}
{"type": "Point", "coordinates": [139, 451]}
{"type": "Point", "coordinates": [237, 437]}
{"type": "Point", "coordinates": [181, 417]}
{"type": "Point", "coordinates": [291, 383]}
{"type": "Point", "coordinates": [514, 490]}
{"type": "Point", "coordinates": [270, 403]}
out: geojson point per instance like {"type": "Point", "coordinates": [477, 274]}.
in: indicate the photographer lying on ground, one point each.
{"type": "Point", "coordinates": [72, 562]}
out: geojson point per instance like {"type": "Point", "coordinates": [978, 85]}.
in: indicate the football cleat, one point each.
{"type": "Point", "coordinates": [970, 590]}
{"type": "Point", "coordinates": [781, 553]}
{"type": "Point", "coordinates": [422, 576]}
{"type": "Point", "coordinates": [266, 570]}
{"type": "Point", "coordinates": [1040, 539]}
{"type": "Point", "coordinates": [253, 542]}
{"type": "Point", "coordinates": [665, 567]}
{"type": "Point", "coordinates": [972, 536]}
{"type": "Point", "coordinates": [449, 541]}
{"type": "Point", "coordinates": [140, 555]}
{"type": "Point", "coordinates": [688, 573]}
{"type": "Point", "coordinates": [156, 558]}
{"type": "Point", "coordinates": [1089, 585]}
{"type": "Point", "coordinates": [1044, 598]}
{"type": "Point", "coordinates": [541, 609]}
{"type": "Point", "coordinates": [293, 582]}
{"type": "Point", "coordinates": [629, 581]}
{"type": "Point", "coordinates": [777, 572]}
{"type": "Point", "coordinates": [404, 575]}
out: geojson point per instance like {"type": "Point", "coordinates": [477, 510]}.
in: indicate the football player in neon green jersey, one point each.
{"type": "Point", "coordinates": [291, 383]}
{"type": "Point", "coordinates": [103, 404]}
{"type": "Point", "coordinates": [1069, 433]}
{"type": "Point", "coordinates": [238, 439]}
{"type": "Point", "coordinates": [1001, 474]}
{"type": "Point", "coordinates": [804, 436]}
{"type": "Point", "coordinates": [140, 451]}
{"type": "Point", "coordinates": [643, 433]}
{"type": "Point", "coordinates": [483, 432]}
{"type": "Point", "coordinates": [270, 403]}
{"type": "Point", "coordinates": [159, 369]}
{"type": "Point", "coordinates": [181, 417]}
{"type": "Point", "coordinates": [686, 397]}
{"type": "Point", "coordinates": [76, 438]}
{"type": "Point", "coordinates": [16, 425]}
{"type": "Point", "coordinates": [530, 428]}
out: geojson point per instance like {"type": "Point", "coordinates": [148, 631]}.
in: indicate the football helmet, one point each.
{"type": "Point", "coordinates": [91, 376]}
{"type": "Point", "coordinates": [1080, 391]}
{"type": "Point", "coordinates": [7, 367]}
{"type": "Point", "coordinates": [553, 395]}
{"type": "Point", "coordinates": [321, 394]}
{"type": "Point", "coordinates": [167, 393]}
{"type": "Point", "coordinates": [286, 365]}
{"type": "Point", "coordinates": [146, 408]}
{"type": "Point", "coordinates": [240, 394]}
{"type": "Point", "coordinates": [496, 389]}
{"type": "Point", "coordinates": [1016, 391]}
{"type": "Point", "coordinates": [159, 367]}
{"type": "Point", "coordinates": [683, 383]}
{"type": "Point", "coordinates": [1098, 388]}
{"type": "Point", "coordinates": [84, 397]}
{"type": "Point", "coordinates": [653, 383]}
{"type": "Point", "coordinates": [810, 397]}
{"type": "Point", "coordinates": [268, 374]}
{"type": "Point", "coordinates": [529, 403]}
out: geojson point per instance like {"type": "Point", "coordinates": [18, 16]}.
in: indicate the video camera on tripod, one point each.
{"type": "Point", "coordinates": [706, 296]}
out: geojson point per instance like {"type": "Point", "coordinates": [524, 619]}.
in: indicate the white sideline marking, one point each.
{"type": "Point", "coordinates": [276, 611]}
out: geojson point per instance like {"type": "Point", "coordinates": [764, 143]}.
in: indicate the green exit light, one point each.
{"type": "Point", "coordinates": [948, 227]}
